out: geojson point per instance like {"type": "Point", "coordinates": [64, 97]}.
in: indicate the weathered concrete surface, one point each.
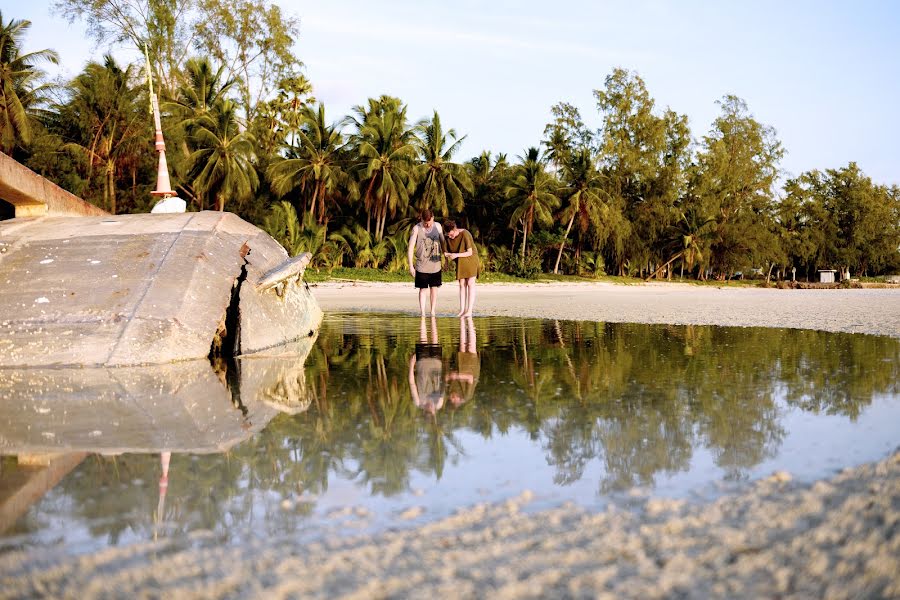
{"type": "Point", "coordinates": [135, 289]}
{"type": "Point", "coordinates": [34, 196]}
{"type": "Point", "coordinates": [267, 317]}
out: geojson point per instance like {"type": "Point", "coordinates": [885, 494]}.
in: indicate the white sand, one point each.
{"type": "Point", "coordinates": [837, 538]}
{"type": "Point", "coordinates": [875, 311]}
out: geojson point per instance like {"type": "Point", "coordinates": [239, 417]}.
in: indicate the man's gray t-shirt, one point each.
{"type": "Point", "coordinates": [428, 249]}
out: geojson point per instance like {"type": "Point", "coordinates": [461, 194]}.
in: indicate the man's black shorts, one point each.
{"type": "Point", "coordinates": [427, 280]}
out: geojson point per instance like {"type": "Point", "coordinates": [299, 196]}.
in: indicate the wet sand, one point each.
{"type": "Point", "coordinates": [835, 538]}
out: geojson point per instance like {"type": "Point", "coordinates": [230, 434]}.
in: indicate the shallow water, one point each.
{"type": "Point", "coordinates": [397, 421]}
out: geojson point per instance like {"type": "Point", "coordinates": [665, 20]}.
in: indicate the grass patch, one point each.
{"type": "Point", "coordinates": [375, 275]}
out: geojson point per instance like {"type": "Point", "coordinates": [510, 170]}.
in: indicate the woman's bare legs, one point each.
{"type": "Point", "coordinates": [470, 296]}
{"type": "Point", "coordinates": [463, 294]}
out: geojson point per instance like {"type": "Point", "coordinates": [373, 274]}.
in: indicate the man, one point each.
{"type": "Point", "coordinates": [426, 247]}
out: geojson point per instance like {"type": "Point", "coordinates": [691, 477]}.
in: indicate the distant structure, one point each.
{"type": "Point", "coordinates": [169, 201]}
{"type": "Point", "coordinates": [24, 193]}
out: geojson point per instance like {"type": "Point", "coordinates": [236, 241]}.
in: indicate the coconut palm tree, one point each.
{"type": "Point", "coordinates": [222, 165]}
{"type": "Point", "coordinates": [531, 194]}
{"type": "Point", "coordinates": [202, 92]}
{"type": "Point", "coordinates": [583, 190]}
{"type": "Point", "coordinates": [387, 156]}
{"type": "Point", "coordinates": [317, 164]}
{"type": "Point", "coordinates": [439, 178]}
{"type": "Point", "coordinates": [689, 240]}
{"type": "Point", "coordinates": [106, 112]}
{"type": "Point", "coordinates": [19, 87]}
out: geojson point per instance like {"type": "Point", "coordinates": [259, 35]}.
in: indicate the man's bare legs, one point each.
{"type": "Point", "coordinates": [423, 299]}
{"type": "Point", "coordinates": [463, 295]}
{"type": "Point", "coordinates": [428, 297]}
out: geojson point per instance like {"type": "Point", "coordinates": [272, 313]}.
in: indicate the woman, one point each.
{"type": "Point", "coordinates": [461, 247]}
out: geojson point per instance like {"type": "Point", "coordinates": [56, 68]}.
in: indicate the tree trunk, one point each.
{"type": "Point", "coordinates": [524, 239]}
{"type": "Point", "coordinates": [313, 203]}
{"type": "Point", "coordinates": [562, 244]}
{"type": "Point", "coordinates": [111, 185]}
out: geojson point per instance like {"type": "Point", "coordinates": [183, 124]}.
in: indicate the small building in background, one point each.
{"type": "Point", "coordinates": [826, 275]}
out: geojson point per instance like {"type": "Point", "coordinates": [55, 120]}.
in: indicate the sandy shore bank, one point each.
{"type": "Point", "coordinates": [874, 311]}
{"type": "Point", "coordinates": [836, 538]}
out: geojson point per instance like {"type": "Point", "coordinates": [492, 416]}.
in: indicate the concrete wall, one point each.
{"type": "Point", "coordinates": [34, 196]}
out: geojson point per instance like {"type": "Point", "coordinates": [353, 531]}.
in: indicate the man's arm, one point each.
{"type": "Point", "coordinates": [411, 250]}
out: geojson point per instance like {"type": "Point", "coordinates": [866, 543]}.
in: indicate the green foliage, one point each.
{"type": "Point", "coordinates": [441, 181]}
{"type": "Point", "coordinates": [105, 123]}
{"type": "Point", "coordinates": [513, 263]}
{"type": "Point", "coordinates": [222, 164]}
{"type": "Point", "coordinates": [243, 132]}
{"type": "Point", "coordinates": [21, 90]}
{"type": "Point", "coordinates": [737, 169]}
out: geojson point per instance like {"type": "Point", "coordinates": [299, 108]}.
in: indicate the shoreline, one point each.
{"type": "Point", "coordinates": [874, 311]}
{"type": "Point", "coordinates": [837, 537]}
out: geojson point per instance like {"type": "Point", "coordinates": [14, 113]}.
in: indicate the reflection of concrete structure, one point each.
{"type": "Point", "coordinates": [142, 289]}
{"type": "Point", "coordinates": [53, 417]}
{"type": "Point", "coordinates": [181, 407]}
{"type": "Point", "coordinates": [33, 476]}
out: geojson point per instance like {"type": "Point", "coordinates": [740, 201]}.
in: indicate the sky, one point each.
{"type": "Point", "coordinates": [825, 75]}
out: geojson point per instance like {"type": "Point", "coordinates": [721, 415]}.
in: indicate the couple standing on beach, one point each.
{"type": "Point", "coordinates": [427, 246]}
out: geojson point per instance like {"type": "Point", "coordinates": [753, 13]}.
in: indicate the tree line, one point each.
{"type": "Point", "coordinates": [637, 195]}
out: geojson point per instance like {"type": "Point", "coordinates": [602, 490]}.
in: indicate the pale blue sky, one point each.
{"type": "Point", "coordinates": [824, 74]}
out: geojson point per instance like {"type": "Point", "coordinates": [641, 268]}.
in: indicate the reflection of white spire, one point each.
{"type": "Point", "coordinates": [163, 488]}
{"type": "Point", "coordinates": [169, 202]}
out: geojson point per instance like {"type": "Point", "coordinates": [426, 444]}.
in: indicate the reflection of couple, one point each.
{"type": "Point", "coordinates": [427, 382]}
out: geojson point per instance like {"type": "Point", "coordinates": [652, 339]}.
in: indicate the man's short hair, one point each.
{"type": "Point", "coordinates": [449, 225]}
{"type": "Point", "coordinates": [426, 214]}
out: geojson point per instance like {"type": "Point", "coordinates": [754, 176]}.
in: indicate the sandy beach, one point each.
{"type": "Point", "coordinates": [835, 538]}
{"type": "Point", "coordinates": [873, 311]}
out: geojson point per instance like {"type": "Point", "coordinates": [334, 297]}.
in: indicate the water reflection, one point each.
{"type": "Point", "coordinates": [392, 410]}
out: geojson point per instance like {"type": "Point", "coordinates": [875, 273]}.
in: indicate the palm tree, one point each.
{"type": "Point", "coordinates": [582, 191]}
{"type": "Point", "coordinates": [202, 92]}
{"type": "Point", "coordinates": [384, 145]}
{"type": "Point", "coordinates": [106, 112]}
{"type": "Point", "coordinates": [222, 164]}
{"type": "Point", "coordinates": [19, 90]}
{"type": "Point", "coordinates": [531, 195]}
{"type": "Point", "coordinates": [317, 164]}
{"type": "Point", "coordinates": [440, 179]}
{"type": "Point", "coordinates": [689, 240]}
